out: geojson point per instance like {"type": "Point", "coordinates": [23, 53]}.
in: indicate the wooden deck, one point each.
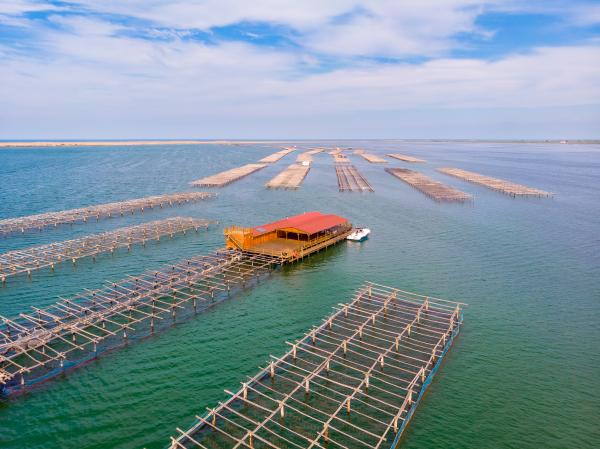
{"type": "Point", "coordinates": [228, 176]}
{"type": "Point", "coordinates": [405, 158]}
{"type": "Point", "coordinates": [507, 187]}
{"type": "Point", "coordinates": [292, 250]}
{"type": "Point", "coordinates": [433, 189]}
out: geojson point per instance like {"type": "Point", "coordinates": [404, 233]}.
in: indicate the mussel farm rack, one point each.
{"type": "Point", "coordinates": [500, 185]}
{"type": "Point", "coordinates": [352, 382]}
{"type": "Point", "coordinates": [350, 179]}
{"type": "Point", "coordinates": [433, 189]}
{"type": "Point", "coordinates": [45, 342]}
{"type": "Point", "coordinates": [99, 211]}
{"type": "Point", "coordinates": [34, 258]}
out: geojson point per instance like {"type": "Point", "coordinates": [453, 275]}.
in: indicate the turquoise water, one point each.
{"type": "Point", "coordinates": [523, 372]}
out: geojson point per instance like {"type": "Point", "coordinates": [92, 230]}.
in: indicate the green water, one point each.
{"type": "Point", "coordinates": [524, 371]}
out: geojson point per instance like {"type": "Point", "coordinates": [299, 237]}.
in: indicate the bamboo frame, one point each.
{"type": "Point", "coordinates": [433, 189]}
{"type": "Point", "coordinates": [350, 179]}
{"type": "Point", "coordinates": [43, 343]}
{"type": "Point", "coordinates": [228, 176]}
{"type": "Point", "coordinates": [47, 219]}
{"type": "Point", "coordinates": [500, 185]}
{"type": "Point", "coordinates": [352, 382]}
{"type": "Point", "coordinates": [34, 258]}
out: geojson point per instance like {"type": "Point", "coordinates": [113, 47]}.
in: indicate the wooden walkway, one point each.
{"type": "Point", "coordinates": [47, 256]}
{"type": "Point", "coordinates": [433, 189]}
{"type": "Point", "coordinates": [43, 343]}
{"type": "Point", "coordinates": [352, 382]}
{"type": "Point", "coordinates": [276, 156]}
{"type": "Point", "coordinates": [228, 176]}
{"type": "Point", "coordinates": [290, 178]}
{"type": "Point", "coordinates": [21, 224]}
{"type": "Point", "coordinates": [350, 180]}
{"type": "Point", "coordinates": [405, 158]}
{"type": "Point", "coordinates": [507, 187]}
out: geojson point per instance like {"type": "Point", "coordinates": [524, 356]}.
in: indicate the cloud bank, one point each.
{"type": "Point", "coordinates": [278, 69]}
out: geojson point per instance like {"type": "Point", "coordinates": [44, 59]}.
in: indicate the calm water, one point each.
{"type": "Point", "coordinates": [523, 373]}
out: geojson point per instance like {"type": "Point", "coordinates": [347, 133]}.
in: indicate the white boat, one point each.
{"type": "Point", "coordinates": [359, 234]}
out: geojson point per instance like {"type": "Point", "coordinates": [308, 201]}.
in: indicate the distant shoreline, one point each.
{"type": "Point", "coordinates": [114, 143]}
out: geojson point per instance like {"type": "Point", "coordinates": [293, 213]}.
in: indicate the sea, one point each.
{"type": "Point", "coordinates": [523, 373]}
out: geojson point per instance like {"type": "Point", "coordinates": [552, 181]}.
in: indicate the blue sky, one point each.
{"type": "Point", "coordinates": [299, 69]}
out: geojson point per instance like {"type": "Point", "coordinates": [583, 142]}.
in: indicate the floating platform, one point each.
{"type": "Point", "coordinates": [276, 156]}
{"type": "Point", "coordinates": [228, 176]}
{"type": "Point", "coordinates": [290, 178]}
{"type": "Point", "coordinates": [292, 238]}
{"type": "Point", "coordinates": [43, 343]}
{"type": "Point", "coordinates": [371, 158]}
{"type": "Point", "coordinates": [433, 189]}
{"type": "Point", "coordinates": [350, 180]}
{"type": "Point", "coordinates": [355, 381]}
{"type": "Point", "coordinates": [405, 158]}
{"type": "Point", "coordinates": [507, 187]}
{"type": "Point", "coordinates": [21, 224]}
{"type": "Point", "coordinates": [47, 256]}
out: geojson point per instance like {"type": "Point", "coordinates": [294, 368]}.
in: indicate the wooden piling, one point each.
{"type": "Point", "coordinates": [433, 189]}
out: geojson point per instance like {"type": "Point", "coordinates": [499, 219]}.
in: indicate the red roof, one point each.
{"type": "Point", "coordinates": [309, 222]}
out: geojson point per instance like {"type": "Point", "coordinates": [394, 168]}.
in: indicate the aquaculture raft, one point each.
{"type": "Point", "coordinates": [405, 158]}
{"type": "Point", "coordinates": [307, 155]}
{"type": "Point", "coordinates": [35, 258]}
{"type": "Point", "coordinates": [100, 211]}
{"type": "Point", "coordinates": [228, 176]}
{"type": "Point", "coordinates": [43, 343]}
{"type": "Point", "coordinates": [290, 178]}
{"type": "Point", "coordinates": [433, 189]}
{"type": "Point", "coordinates": [353, 382]}
{"type": "Point", "coordinates": [350, 180]}
{"type": "Point", "coordinates": [371, 158]}
{"type": "Point", "coordinates": [507, 187]}
{"type": "Point", "coordinates": [276, 156]}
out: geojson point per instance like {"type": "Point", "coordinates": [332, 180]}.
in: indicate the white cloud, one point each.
{"type": "Point", "coordinates": [89, 75]}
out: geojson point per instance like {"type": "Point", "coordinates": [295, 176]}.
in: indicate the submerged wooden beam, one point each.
{"type": "Point", "coordinates": [276, 156]}
{"type": "Point", "coordinates": [405, 158]}
{"type": "Point", "coordinates": [290, 178]}
{"type": "Point", "coordinates": [352, 382]}
{"type": "Point", "coordinates": [28, 260]}
{"type": "Point", "coordinates": [433, 189]}
{"type": "Point", "coordinates": [507, 187]}
{"type": "Point", "coordinates": [100, 211]}
{"type": "Point", "coordinates": [350, 179]}
{"type": "Point", "coordinates": [228, 176]}
{"type": "Point", "coordinates": [43, 343]}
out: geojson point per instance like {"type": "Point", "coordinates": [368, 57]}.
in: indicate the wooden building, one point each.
{"type": "Point", "coordinates": [291, 238]}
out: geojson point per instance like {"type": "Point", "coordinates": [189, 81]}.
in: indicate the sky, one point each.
{"type": "Point", "coordinates": [299, 69]}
